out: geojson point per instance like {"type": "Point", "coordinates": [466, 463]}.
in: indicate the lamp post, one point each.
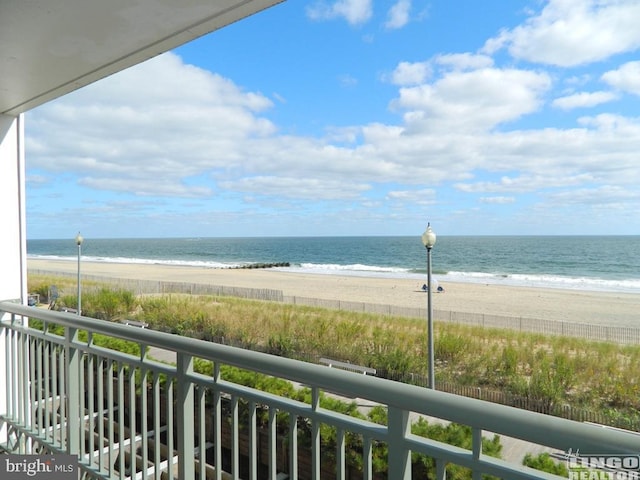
{"type": "Point", "coordinates": [79, 240]}
{"type": "Point", "coordinates": [429, 240]}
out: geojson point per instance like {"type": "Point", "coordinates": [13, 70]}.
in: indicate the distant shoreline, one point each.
{"type": "Point", "coordinates": [602, 308]}
{"type": "Point", "coordinates": [594, 263]}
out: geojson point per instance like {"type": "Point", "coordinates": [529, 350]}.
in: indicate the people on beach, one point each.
{"type": "Point", "coordinates": [440, 289]}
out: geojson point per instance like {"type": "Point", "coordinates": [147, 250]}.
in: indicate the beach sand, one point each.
{"type": "Point", "coordinates": [602, 308]}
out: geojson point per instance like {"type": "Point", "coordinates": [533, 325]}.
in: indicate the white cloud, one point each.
{"type": "Point", "coordinates": [528, 182]}
{"type": "Point", "coordinates": [583, 100]}
{"type": "Point", "coordinates": [169, 129]}
{"type": "Point", "coordinates": [626, 78]}
{"type": "Point", "coordinates": [398, 15]}
{"type": "Point", "coordinates": [34, 180]}
{"type": "Point", "coordinates": [473, 101]}
{"type": "Point", "coordinates": [407, 73]}
{"type": "Point", "coordinates": [598, 196]}
{"type": "Point", "coordinates": [355, 12]}
{"type": "Point", "coordinates": [347, 80]}
{"type": "Point", "coordinates": [573, 32]}
{"type": "Point", "coordinates": [214, 139]}
{"type": "Point", "coordinates": [626, 128]}
{"type": "Point", "coordinates": [525, 183]}
{"type": "Point", "coordinates": [578, 80]}
{"type": "Point", "coordinates": [464, 61]}
{"type": "Point", "coordinates": [497, 200]}
{"type": "Point", "coordinates": [206, 136]}
{"type": "Point", "coordinates": [424, 196]}
{"type": "Point", "coordinates": [297, 188]}
{"type": "Point", "coordinates": [164, 187]}
{"type": "Point", "coordinates": [156, 123]}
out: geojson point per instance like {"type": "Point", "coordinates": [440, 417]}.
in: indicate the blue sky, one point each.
{"type": "Point", "coordinates": [357, 117]}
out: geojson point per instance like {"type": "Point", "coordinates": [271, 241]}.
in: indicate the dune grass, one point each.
{"type": "Point", "coordinates": [559, 370]}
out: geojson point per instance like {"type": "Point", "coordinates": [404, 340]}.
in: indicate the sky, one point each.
{"type": "Point", "coordinates": [357, 117]}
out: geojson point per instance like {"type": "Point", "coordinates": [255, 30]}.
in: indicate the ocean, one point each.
{"type": "Point", "coordinates": [596, 263]}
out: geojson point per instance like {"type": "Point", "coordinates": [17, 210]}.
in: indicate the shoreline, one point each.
{"type": "Point", "coordinates": [601, 308]}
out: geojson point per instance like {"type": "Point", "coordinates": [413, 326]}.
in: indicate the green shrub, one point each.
{"type": "Point", "coordinates": [449, 433]}
{"type": "Point", "coordinates": [551, 380]}
{"type": "Point", "coordinates": [510, 361]}
{"type": "Point", "coordinates": [545, 463]}
{"type": "Point", "coordinates": [450, 346]}
{"type": "Point", "coordinates": [108, 304]}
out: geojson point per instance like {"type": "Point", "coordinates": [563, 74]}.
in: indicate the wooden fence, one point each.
{"type": "Point", "coordinates": [604, 333]}
{"type": "Point", "coordinates": [562, 410]}
{"type": "Point", "coordinates": [142, 287]}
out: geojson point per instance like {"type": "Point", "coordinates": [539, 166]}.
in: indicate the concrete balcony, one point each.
{"type": "Point", "coordinates": [128, 416]}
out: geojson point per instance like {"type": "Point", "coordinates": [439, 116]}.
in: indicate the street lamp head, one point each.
{"type": "Point", "coordinates": [429, 237]}
{"type": "Point", "coordinates": [79, 239]}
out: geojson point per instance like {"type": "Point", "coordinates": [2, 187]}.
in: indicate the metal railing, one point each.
{"type": "Point", "coordinates": [127, 416]}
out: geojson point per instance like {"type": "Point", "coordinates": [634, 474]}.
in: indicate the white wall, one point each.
{"type": "Point", "coordinates": [12, 211]}
{"type": "Point", "coordinates": [13, 249]}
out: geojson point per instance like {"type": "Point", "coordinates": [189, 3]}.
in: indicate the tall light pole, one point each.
{"type": "Point", "coordinates": [429, 240]}
{"type": "Point", "coordinates": [79, 240]}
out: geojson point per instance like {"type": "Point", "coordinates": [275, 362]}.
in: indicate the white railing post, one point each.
{"type": "Point", "coordinates": [5, 379]}
{"type": "Point", "coordinates": [185, 417]}
{"type": "Point", "coordinates": [315, 436]}
{"type": "Point", "coordinates": [476, 449]}
{"type": "Point", "coordinates": [72, 380]}
{"type": "Point", "coordinates": [399, 460]}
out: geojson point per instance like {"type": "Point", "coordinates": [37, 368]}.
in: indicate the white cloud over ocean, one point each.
{"type": "Point", "coordinates": [533, 117]}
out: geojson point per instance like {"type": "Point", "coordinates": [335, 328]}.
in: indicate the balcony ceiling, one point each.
{"type": "Point", "coordinates": [51, 47]}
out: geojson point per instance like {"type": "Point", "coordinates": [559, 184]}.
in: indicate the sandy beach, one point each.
{"type": "Point", "coordinates": [602, 308]}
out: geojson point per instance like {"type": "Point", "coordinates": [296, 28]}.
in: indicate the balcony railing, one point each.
{"type": "Point", "coordinates": [127, 416]}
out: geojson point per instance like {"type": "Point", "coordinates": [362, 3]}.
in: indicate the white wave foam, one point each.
{"type": "Point", "coordinates": [357, 267]}
{"type": "Point", "coordinates": [525, 280]}
{"type": "Point", "coordinates": [144, 261]}
{"type": "Point", "coordinates": [547, 281]}
{"type": "Point", "coordinates": [521, 280]}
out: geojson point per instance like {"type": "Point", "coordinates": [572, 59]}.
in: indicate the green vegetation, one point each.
{"type": "Point", "coordinates": [423, 466]}
{"type": "Point", "coordinates": [111, 343]}
{"type": "Point", "coordinates": [103, 303]}
{"type": "Point", "coordinates": [557, 372]}
{"type": "Point", "coordinates": [545, 463]}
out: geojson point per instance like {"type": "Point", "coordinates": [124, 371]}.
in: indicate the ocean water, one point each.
{"type": "Point", "coordinates": [600, 263]}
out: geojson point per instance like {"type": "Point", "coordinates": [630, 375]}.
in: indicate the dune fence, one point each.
{"type": "Point", "coordinates": [604, 333]}
{"type": "Point", "coordinates": [149, 287]}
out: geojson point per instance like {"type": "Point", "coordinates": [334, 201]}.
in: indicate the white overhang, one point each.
{"type": "Point", "coordinates": [51, 47]}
